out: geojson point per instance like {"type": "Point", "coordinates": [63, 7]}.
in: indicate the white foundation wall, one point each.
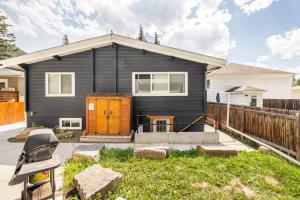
{"type": "Point", "coordinates": [276, 86]}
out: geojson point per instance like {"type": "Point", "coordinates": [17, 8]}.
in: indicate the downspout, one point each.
{"type": "Point", "coordinates": [115, 46]}
{"type": "Point", "coordinates": [94, 70]}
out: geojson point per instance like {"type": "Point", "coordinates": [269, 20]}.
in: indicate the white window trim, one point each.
{"type": "Point", "coordinates": [5, 81]}
{"type": "Point", "coordinates": [168, 127]}
{"type": "Point", "coordinates": [70, 128]}
{"type": "Point", "coordinates": [60, 95]}
{"type": "Point", "coordinates": [160, 93]}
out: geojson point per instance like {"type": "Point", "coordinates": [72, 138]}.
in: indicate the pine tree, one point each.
{"type": "Point", "coordinates": [65, 40]}
{"type": "Point", "coordinates": [156, 39]}
{"type": "Point", "coordinates": [141, 34]}
{"type": "Point", "coordinates": [7, 39]}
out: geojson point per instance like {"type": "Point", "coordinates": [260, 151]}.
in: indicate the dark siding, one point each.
{"type": "Point", "coordinates": [105, 69]}
{"type": "Point", "coordinates": [49, 109]}
{"type": "Point", "coordinates": [184, 107]}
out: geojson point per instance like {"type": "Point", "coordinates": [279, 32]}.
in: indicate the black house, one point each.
{"type": "Point", "coordinates": [167, 85]}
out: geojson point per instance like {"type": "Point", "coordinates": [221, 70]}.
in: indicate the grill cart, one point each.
{"type": "Point", "coordinates": [36, 164]}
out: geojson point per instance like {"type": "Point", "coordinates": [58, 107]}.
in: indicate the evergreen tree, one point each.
{"type": "Point", "coordinates": [156, 39]}
{"type": "Point", "coordinates": [65, 40]}
{"type": "Point", "coordinates": [7, 39]}
{"type": "Point", "coordinates": [141, 35]}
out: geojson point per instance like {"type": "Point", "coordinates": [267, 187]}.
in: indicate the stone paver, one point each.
{"type": "Point", "coordinates": [88, 152]}
{"type": "Point", "coordinates": [96, 179]}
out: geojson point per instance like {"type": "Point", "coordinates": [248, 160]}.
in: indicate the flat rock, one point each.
{"type": "Point", "coordinates": [96, 180]}
{"type": "Point", "coordinates": [150, 152]}
{"type": "Point", "coordinates": [43, 191]}
{"type": "Point", "coordinates": [87, 152]}
{"type": "Point", "coordinates": [216, 150]}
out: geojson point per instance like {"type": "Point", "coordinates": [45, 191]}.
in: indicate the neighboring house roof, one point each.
{"type": "Point", "coordinates": [106, 40]}
{"type": "Point", "coordinates": [10, 72]}
{"type": "Point", "coordinates": [239, 69]}
{"type": "Point", "coordinates": [244, 89]}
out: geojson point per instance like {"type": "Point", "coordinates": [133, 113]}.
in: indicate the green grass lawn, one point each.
{"type": "Point", "coordinates": [186, 175]}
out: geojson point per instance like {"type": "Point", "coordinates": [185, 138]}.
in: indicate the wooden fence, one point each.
{"type": "Point", "coordinates": [11, 112]}
{"type": "Point", "coordinates": [9, 96]}
{"type": "Point", "coordinates": [273, 127]}
{"type": "Point", "coordinates": [289, 104]}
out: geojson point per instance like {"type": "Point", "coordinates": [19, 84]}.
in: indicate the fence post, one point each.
{"type": "Point", "coordinates": [243, 120]}
{"type": "Point", "coordinates": [297, 133]}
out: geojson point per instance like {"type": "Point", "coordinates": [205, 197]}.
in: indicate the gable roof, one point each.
{"type": "Point", "coordinates": [239, 69]}
{"type": "Point", "coordinates": [106, 40]}
{"type": "Point", "coordinates": [244, 89]}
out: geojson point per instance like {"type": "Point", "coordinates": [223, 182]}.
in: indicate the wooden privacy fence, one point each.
{"type": "Point", "coordinates": [11, 112]}
{"type": "Point", "coordinates": [273, 127]}
{"type": "Point", "coordinates": [289, 104]}
{"type": "Point", "coordinates": [9, 96]}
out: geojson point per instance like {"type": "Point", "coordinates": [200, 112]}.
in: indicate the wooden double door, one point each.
{"type": "Point", "coordinates": [108, 116]}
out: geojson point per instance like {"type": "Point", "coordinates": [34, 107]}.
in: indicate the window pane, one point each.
{"type": "Point", "coordinates": [66, 123]}
{"type": "Point", "coordinates": [161, 125]}
{"type": "Point", "coordinates": [75, 124]}
{"type": "Point", "coordinates": [53, 83]}
{"type": "Point", "coordinates": [177, 83]}
{"type": "Point", "coordinates": [160, 82]}
{"type": "Point", "coordinates": [142, 83]}
{"type": "Point", "coordinates": [66, 83]}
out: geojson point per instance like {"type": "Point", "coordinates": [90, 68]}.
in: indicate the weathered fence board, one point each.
{"type": "Point", "coordinates": [9, 96]}
{"type": "Point", "coordinates": [278, 127]}
{"type": "Point", "coordinates": [288, 104]}
{"type": "Point", "coordinates": [11, 112]}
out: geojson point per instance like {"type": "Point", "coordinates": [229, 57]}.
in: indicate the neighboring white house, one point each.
{"type": "Point", "coordinates": [248, 85]}
{"type": "Point", "coordinates": [12, 80]}
{"type": "Point", "coordinates": [296, 92]}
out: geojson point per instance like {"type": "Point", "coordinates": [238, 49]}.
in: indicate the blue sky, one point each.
{"type": "Point", "coordinates": [259, 32]}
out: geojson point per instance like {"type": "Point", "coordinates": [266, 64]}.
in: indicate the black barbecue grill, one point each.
{"type": "Point", "coordinates": [36, 158]}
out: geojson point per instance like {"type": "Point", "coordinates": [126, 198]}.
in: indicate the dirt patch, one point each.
{"type": "Point", "coordinates": [271, 180]}
{"type": "Point", "coordinates": [236, 184]}
{"type": "Point", "coordinates": [73, 138]}
{"type": "Point", "coordinates": [201, 185]}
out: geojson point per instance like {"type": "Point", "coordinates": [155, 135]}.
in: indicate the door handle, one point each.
{"type": "Point", "coordinates": [110, 113]}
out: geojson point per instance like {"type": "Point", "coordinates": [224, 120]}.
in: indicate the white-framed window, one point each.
{"type": "Point", "coordinates": [253, 100]}
{"type": "Point", "coordinates": [207, 84]}
{"type": "Point", "coordinates": [160, 83]}
{"type": "Point", "coordinates": [60, 84]}
{"type": "Point", "coordinates": [161, 125]}
{"type": "Point", "coordinates": [3, 83]}
{"type": "Point", "coordinates": [70, 123]}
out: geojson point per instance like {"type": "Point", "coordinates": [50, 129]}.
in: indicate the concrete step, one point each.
{"type": "Point", "coordinates": [217, 150]}
{"type": "Point", "coordinates": [107, 138]}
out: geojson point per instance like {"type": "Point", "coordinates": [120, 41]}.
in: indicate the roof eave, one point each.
{"type": "Point", "coordinates": [106, 40]}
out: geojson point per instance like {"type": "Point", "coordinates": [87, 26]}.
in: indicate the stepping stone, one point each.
{"type": "Point", "coordinates": [150, 152]}
{"type": "Point", "coordinates": [216, 150]}
{"type": "Point", "coordinates": [96, 180]}
{"type": "Point", "coordinates": [87, 152]}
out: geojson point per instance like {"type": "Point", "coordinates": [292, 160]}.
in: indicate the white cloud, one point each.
{"type": "Point", "coordinates": [287, 45]}
{"type": "Point", "coordinates": [251, 6]}
{"type": "Point", "coordinates": [195, 25]}
{"type": "Point", "coordinates": [262, 58]}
